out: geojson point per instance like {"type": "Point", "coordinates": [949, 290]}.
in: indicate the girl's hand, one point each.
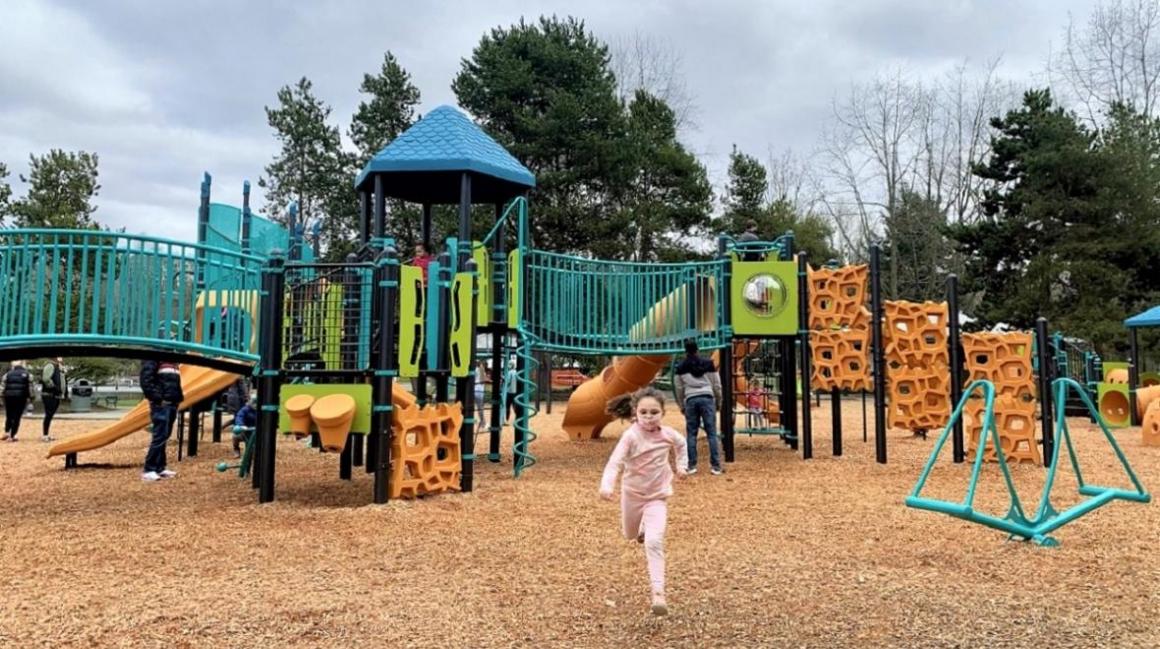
{"type": "Point", "coordinates": [605, 494]}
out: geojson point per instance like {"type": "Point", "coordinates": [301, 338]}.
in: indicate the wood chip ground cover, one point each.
{"type": "Point", "coordinates": [777, 552]}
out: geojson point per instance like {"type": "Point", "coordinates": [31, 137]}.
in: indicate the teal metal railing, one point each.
{"type": "Point", "coordinates": [579, 305]}
{"type": "Point", "coordinates": [106, 289]}
{"type": "Point", "coordinates": [1046, 519]}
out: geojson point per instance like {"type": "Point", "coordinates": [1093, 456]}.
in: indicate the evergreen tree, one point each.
{"type": "Point", "coordinates": [670, 197]}
{"type": "Point", "coordinates": [746, 200]}
{"type": "Point", "coordinates": [61, 189]}
{"type": "Point", "coordinates": [5, 193]}
{"type": "Point", "coordinates": [312, 168]}
{"type": "Point", "coordinates": [1070, 226]}
{"type": "Point", "coordinates": [745, 195]}
{"type": "Point", "coordinates": [388, 110]}
{"type": "Point", "coordinates": [545, 91]}
{"type": "Point", "coordinates": [917, 248]}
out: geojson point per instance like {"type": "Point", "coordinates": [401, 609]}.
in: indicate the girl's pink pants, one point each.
{"type": "Point", "coordinates": [647, 518]}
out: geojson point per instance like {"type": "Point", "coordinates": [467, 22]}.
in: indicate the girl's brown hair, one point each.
{"type": "Point", "coordinates": [625, 405]}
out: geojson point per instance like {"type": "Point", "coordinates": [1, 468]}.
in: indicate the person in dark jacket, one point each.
{"type": "Point", "coordinates": [748, 238]}
{"type": "Point", "coordinates": [245, 421]}
{"type": "Point", "coordinates": [51, 390]}
{"type": "Point", "coordinates": [161, 384]}
{"type": "Point", "coordinates": [698, 388]}
{"type": "Point", "coordinates": [17, 393]}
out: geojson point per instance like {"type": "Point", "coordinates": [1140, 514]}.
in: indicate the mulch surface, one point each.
{"type": "Point", "coordinates": [777, 552]}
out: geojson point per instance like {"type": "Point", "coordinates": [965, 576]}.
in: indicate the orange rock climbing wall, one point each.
{"type": "Point", "coordinates": [840, 329]}
{"type": "Point", "coordinates": [1005, 360]}
{"type": "Point", "coordinates": [425, 455]}
{"type": "Point", "coordinates": [915, 344]}
{"type": "Point", "coordinates": [840, 360]}
{"type": "Point", "coordinates": [838, 298]}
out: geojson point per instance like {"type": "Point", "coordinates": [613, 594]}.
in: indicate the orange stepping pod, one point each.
{"type": "Point", "coordinates": [298, 407]}
{"type": "Point", "coordinates": [1151, 428]}
{"type": "Point", "coordinates": [1145, 397]}
{"type": "Point", "coordinates": [333, 415]}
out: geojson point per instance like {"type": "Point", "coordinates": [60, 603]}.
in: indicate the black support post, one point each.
{"type": "Point", "coordinates": [1042, 345]}
{"type": "Point", "coordinates": [1133, 377]}
{"type": "Point", "coordinates": [194, 432]}
{"type": "Point", "coordinates": [499, 285]}
{"type": "Point", "coordinates": [247, 218]}
{"type": "Point", "coordinates": [217, 424]}
{"type": "Point", "coordinates": [467, 397]}
{"type": "Point", "coordinates": [726, 355]}
{"type": "Point", "coordinates": [956, 359]}
{"type": "Point", "coordinates": [270, 364]}
{"type": "Point", "coordinates": [878, 355]}
{"type": "Point", "coordinates": [807, 441]}
{"type": "Point", "coordinates": [385, 365]}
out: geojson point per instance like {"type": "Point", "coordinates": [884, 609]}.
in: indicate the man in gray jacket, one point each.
{"type": "Point", "coordinates": [698, 388]}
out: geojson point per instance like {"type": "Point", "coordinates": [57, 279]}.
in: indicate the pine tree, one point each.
{"type": "Point", "coordinates": [61, 189]}
{"type": "Point", "coordinates": [388, 110]}
{"type": "Point", "coordinates": [311, 169]}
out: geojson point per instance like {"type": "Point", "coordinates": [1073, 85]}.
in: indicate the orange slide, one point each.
{"type": "Point", "coordinates": [198, 383]}
{"type": "Point", "coordinates": [585, 417]}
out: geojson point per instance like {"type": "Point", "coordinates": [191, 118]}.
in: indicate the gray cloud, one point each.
{"type": "Point", "coordinates": [163, 91]}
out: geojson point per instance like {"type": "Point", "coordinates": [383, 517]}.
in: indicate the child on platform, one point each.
{"type": "Point", "coordinates": [646, 452]}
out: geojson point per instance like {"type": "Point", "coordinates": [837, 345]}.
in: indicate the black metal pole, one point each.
{"type": "Point", "coordinates": [499, 283]}
{"type": "Point", "coordinates": [202, 229]}
{"type": "Point", "coordinates": [836, 417]}
{"type": "Point", "coordinates": [357, 449]}
{"type": "Point", "coordinates": [791, 372]}
{"type": "Point", "coordinates": [346, 459]}
{"type": "Point", "coordinates": [379, 210]}
{"type": "Point", "coordinates": [1133, 376]}
{"type": "Point", "coordinates": [956, 359]}
{"type": "Point", "coordinates": [194, 432]}
{"type": "Point", "coordinates": [217, 425]}
{"type": "Point", "coordinates": [442, 360]}
{"type": "Point", "coordinates": [1042, 345]}
{"type": "Point", "coordinates": [877, 354]}
{"type": "Point", "coordinates": [467, 396]}
{"type": "Point", "coordinates": [807, 441]}
{"type": "Point", "coordinates": [364, 217]}
{"type": "Point", "coordinates": [726, 355]}
{"type": "Point", "coordinates": [385, 364]}
{"type": "Point", "coordinates": [247, 218]}
{"type": "Point", "coordinates": [269, 383]}
{"type": "Point", "coordinates": [864, 435]}
{"type": "Point", "coordinates": [425, 233]}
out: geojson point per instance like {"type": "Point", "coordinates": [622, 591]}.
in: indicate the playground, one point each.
{"type": "Point", "coordinates": [889, 479]}
{"type": "Point", "coordinates": [776, 552]}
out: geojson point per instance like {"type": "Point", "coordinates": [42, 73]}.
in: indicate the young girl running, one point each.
{"type": "Point", "coordinates": [646, 452]}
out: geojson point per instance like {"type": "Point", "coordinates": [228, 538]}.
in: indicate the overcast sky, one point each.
{"type": "Point", "coordinates": [163, 91]}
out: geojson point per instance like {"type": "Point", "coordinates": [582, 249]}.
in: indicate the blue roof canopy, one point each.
{"type": "Point", "coordinates": [1149, 318]}
{"type": "Point", "coordinates": [424, 164]}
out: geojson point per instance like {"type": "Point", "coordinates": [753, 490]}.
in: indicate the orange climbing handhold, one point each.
{"type": "Point", "coordinates": [298, 408]}
{"type": "Point", "coordinates": [333, 415]}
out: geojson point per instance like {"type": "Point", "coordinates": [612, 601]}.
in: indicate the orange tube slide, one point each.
{"type": "Point", "coordinates": [585, 417]}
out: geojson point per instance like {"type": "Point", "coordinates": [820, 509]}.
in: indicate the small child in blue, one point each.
{"type": "Point", "coordinates": [244, 423]}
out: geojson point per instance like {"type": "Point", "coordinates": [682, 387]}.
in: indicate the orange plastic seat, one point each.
{"type": "Point", "coordinates": [298, 408]}
{"type": "Point", "coordinates": [333, 415]}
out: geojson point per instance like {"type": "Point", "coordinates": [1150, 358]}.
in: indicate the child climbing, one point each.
{"type": "Point", "coordinates": [645, 452]}
{"type": "Point", "coordinates": [244, 423]}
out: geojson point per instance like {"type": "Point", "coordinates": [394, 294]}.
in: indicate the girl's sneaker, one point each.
{"type": "Point", "coordinates": [166, 473]}
{"type": "Point", "coordinates": [659, 607]}
{"type": "Point", "coordinates": [150, 476]}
